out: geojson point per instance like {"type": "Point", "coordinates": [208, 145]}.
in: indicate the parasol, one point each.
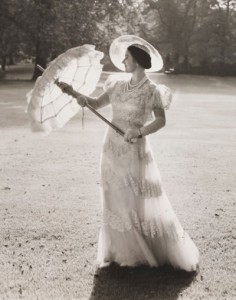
{"type": "Point", "coordinates": [48, 107]}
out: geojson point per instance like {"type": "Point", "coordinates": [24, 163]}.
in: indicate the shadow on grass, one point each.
{"type": "Point", "coordinates": [116, 283]}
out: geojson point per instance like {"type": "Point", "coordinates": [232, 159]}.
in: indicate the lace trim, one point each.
{"type": "Point", "coordinates": [140, 187]}
{"type": "Point", "coordinates": [134, 117]}
{"type": "Point", "coordinates": [125, 148]}
{"type": "Point", "coordinates": [148, 228]}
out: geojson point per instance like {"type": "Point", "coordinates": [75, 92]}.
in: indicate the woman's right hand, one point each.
{"type": "Point", "coordinates": [65, 87]}
{"type": "Point", "coordinates": [68, 89]}
{"type": "Point", "coordinates": [81, 100]}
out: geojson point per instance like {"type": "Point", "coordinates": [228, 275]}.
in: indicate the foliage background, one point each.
{"type": "Point", "coordinates": [193, 36]}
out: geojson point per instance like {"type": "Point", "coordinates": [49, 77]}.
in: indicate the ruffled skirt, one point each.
{"type": "Point", "coordinates": [139, 226]}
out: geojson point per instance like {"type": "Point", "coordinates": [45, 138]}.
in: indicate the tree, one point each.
{"type": "Point", "coordinates": [225, 15]}
{"type": "Point", "coordinates": [9, 32]}
{"type": "Point", "coordinates": [41, 15]}
{"type": "Point", "coordinates": [214, 38]}
{"type": "Point", "coordinates": [195, 33]}
{"type": "Point", "coordinates": [28, 27]}
{"type": "Point", "coordinates": [62, 25]}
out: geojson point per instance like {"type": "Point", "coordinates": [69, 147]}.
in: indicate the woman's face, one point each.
{"type": "Point", "coordinates": [129, 62]}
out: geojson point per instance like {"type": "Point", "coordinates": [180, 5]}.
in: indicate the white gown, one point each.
{"type": "Point", "coordinates": [139, 225]}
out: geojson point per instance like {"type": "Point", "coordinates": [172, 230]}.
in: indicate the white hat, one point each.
{"type": "Point", "coordinates": [119, 46]}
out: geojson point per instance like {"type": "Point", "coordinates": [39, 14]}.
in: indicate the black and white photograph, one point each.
{"type": "Point", "coordinates": [117, 152]}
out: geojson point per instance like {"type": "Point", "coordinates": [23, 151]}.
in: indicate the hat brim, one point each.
{"type": "Point", "coordinates": [119, 46]}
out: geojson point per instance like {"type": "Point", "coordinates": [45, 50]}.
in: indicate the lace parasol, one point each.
{"type": "Point", "coordinates": [48, 107]}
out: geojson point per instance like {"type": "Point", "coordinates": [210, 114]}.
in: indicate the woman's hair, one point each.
{"type": "Point", "coordinates": [141, 55]}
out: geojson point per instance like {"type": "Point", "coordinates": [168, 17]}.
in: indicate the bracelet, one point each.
{"type": "Point", "coordinates": [140, 133]}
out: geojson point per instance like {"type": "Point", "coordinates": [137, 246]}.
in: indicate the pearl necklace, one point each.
{"type": "Point", "coordinates": [128, 87]}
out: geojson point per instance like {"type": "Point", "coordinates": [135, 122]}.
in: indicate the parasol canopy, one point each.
{"type": "Point", "coordinates": [48, 107]}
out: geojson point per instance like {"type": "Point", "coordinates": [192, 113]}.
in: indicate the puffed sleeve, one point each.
{"type": "Point", "coordinates": [162, 97]}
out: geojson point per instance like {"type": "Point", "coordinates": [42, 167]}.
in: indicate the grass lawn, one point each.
{"type": "Point", "coordinates": [50, 199]}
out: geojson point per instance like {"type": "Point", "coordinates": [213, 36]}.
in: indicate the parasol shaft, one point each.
{"type": "Point", "coordinates": [40, 68]}
{"type": "Point", "coordinates": [117, 129]}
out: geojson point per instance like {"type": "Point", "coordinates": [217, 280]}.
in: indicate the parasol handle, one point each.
{"type": "Point", "coordinates": [117, 129]}
{"type": "Point", "coordinates": [40, 68]}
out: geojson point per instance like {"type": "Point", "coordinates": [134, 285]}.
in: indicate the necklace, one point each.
{"type": "Point", "coordinates": [128, 87]}
{"type": "Point", "coordinates": [133, 85]}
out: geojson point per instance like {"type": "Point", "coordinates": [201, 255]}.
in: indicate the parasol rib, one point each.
{"type": "Point", "coordinates": [117, 129]}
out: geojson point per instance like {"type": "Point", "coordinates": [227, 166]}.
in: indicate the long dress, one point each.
{"type": "Point", "coordinates": [139, 226]}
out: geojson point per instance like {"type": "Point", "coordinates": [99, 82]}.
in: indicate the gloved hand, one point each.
{"type": "Point", "coordinates": [65, 87]}
{"type": "Point", "coordinates": [68, 89]}
{"type": "Point", "coordinates": [131, 135]}
{"type": "Point", "coordinates": [82, 100]}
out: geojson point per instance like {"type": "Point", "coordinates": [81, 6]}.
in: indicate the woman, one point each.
{"type": "Point", "coordinates": [139, 225]}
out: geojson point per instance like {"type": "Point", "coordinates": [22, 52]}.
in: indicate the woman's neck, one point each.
{"type": "Point", "coordinates": [137, 76]}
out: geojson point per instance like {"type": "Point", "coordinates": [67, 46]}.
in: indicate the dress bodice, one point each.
{"type": "Point", "coordinates": [134, 107]}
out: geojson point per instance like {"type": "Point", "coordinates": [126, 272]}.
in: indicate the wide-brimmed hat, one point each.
{"type": "Point", "coordinates": [119, 46]}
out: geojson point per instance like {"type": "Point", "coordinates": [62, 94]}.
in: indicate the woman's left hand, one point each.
{"type": "Point", "coordinates": [131, 135]}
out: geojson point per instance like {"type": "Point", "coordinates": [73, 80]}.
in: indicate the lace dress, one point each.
{"type": "Point", "coordinates": [139, 225]}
